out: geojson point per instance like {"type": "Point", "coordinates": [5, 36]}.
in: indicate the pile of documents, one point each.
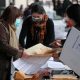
{"type": "Point", "coordinates": [39, 54]}
{"type": "Point", "coordinates": [54, 65]}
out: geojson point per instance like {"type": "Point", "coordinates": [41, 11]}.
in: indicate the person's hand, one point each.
{"type": "Point", "coordinates": [55, 55]}
{"type": "Point", "coordinates": [25, 55]}
{"type": "Point", "coordinates": [38, 75]}
{"type": "Point", "coordinates": [56, 44]}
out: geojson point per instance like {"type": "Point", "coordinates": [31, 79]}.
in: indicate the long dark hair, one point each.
{"type": "Point", "coordinates": [10, 14]}
{"type": "Point", "coordinates": [73, 12]}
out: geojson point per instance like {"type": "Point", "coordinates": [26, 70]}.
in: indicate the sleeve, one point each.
{"type": "Point", "coordinates": [50, 36]}
{"type": "Point", "coordinates": [23, 35]}
{"type": "Point", "coordinates": [5, 48]}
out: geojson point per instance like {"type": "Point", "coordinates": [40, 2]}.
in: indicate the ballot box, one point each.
{"type": "Point", "coordinates": [70, 54]}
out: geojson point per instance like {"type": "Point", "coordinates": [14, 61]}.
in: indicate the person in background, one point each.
{"type": "Point", "coordinates": [21, 9]}
{"type": "Point", "coordinates": [37, 28]}
{"type": "Point", "coordinates": [8, 42]}
{"type": "Point", "coordinates": [27, 12]}
{"type": "Point", "coordinates": [11, 4]}
{"type": "Point", "coordinates": [72, 16]}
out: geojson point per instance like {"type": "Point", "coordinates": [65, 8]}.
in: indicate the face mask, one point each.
{"type": "Point", "coordinates": [68, 22]}
{"type": "Point", "coordinates": [18, 22]}
{"type": "Point", "coordinates": [37, 20]}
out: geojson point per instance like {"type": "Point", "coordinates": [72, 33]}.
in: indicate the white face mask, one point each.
{"type": "Point", "coordinates": [18, 22]}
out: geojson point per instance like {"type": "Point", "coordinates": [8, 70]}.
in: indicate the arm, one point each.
{"type": "Point", "coordinates": [23, 34]}
{"type": "Point", "coordinates": [26, 33]}
{"type": "Point", "coordinates": [5, 48]}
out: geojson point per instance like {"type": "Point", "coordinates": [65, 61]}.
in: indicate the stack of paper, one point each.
{"type": "Point", "coordinates": [40, 54]}
{"type": "Point", "coordinates": [30, 65]}
{"type": "Point", "coordinates": [54, 65]}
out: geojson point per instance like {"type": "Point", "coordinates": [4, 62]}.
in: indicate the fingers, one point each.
{"type": "Point", "coordinates": [56, 44]}
{"type": "Point", "coordinates": [25, 55]}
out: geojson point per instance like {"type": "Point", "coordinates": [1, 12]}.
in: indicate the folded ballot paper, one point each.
{"type": "Point", "coordinates": [39, 55]}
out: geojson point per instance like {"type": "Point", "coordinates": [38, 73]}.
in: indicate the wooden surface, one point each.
{"type": "Point", "coordinates": [19, 75]}
{"type": "Point", "coordinates": [64, 77]}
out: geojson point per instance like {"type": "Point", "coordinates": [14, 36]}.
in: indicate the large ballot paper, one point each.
{"type": "Point", "coordinates": [39, 50]}
{"type": "Point", "coordinates": [39, 54]}
{"type": "Point", "coordinates": [71, 51]}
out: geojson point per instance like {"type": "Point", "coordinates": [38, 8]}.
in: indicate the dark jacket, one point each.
{"type": "Point", "coordinates": [6, 51]}
{"type": "Point", "coordinates": [26, 33]}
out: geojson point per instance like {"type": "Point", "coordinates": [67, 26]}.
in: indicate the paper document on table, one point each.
{"type": "Point", "coordinates": [30, 65]}
{"type": "Point", "coordinates": [39, 55]}
{"type": "Point", "coordinates": [71, 51]}
{"type": "Point", "coordinates": [54, 65]}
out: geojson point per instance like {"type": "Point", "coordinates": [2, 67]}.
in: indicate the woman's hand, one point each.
{"type": "Point", "coordinates": [25, 54]}
{"type": "Point", "coordinates": [56, 44]}
{"type": "Point", "coordinates": [40, 74]}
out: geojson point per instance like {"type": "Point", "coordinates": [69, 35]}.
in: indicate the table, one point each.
{"type": "Point", "coordinates": [21, 76]}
